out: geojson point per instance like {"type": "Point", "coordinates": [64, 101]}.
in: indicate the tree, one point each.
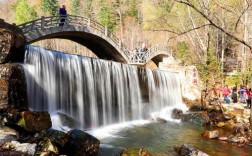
{"type": "Point", "coordinates": [105, 16]}
{"type": "Point", "coordinates": [50, 7]}
{"type": "Point", "coordinates": [75, 7]}
{"type": "Point", "coordinates": [24, 12]}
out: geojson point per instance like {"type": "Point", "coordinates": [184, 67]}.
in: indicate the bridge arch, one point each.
{"type": "Point", "coordinates": [78, 29]}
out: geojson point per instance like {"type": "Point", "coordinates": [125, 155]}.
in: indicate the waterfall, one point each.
{"type": "Point", "coordinates": [95, 92]}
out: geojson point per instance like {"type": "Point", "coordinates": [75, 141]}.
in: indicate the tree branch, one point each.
{"type": "Point", "coordinates": [213, 23]}
{"type": "Point", "coordinates": [182, 33]}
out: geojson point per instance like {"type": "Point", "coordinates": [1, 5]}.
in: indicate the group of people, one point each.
{"type": "Point", "coordinates": [245, 94]}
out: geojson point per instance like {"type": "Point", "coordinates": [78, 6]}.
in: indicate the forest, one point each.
{"type": "Point", "coordinates": [213, 35]}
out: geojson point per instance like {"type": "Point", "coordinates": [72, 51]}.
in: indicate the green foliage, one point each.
{"type": "Point", "coordinates": [233, 80]}
{"type": "Point", "coordinates": [24, 12]}
{"type": "Point", "coordinates": [88, 8]}
{"type": "Point", "coordinates": [50, 6]}
{"type": "Point", "coordinates": [182, 50]}
{"type": "Point", "coordinates": [132, 10]}
{"type": "Point", "coordinates": [105, 16]}
{"type": "Point", "coordinates": [75, 7]}
{"type": "Point", "coordinates": [210, 72]}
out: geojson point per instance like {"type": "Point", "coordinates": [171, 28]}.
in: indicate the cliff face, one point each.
{"type": "Point", "coordinates": [11, 40]}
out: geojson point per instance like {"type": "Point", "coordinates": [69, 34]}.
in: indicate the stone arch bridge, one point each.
{"type": "Point", "coordinates": [91, 34]}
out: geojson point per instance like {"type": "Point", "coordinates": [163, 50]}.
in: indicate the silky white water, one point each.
{"type": "Point", "coordinates": [95, 92]}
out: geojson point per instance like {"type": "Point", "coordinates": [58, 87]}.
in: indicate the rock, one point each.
{"type": "Point", "coordinates": [211, 134]}
{"type": "Point", "coordinates": [46, 147]}
{"type": "Point", "coordinates": [176, 113]}
{"type": "Point", "coordinates": [11, 39]}
{"type": "Point", "coordinates": [25, 148]}
{"type": "Point", "coordinates": [229, 124]}
{"type": "Point", "coordinates": [135, 152]}
{"type": "Point", "coordinates": [196, 108]}
{"type": "Point", "coordinates": [58, 137]}
{"type": "Point", "coordinates": [160, 120]}
{"type": "Point", "coordinates": [81, 144]}
{"type": "Point", "coordinates": [198, 118]}
{"type": "Point", "coordinates": [234, 139]}
{"type": "Point", "coordinates": [7, 134]}
{"type": "Point", "coordinates": [185, 150]}
{"type": "Point", "coordinates": [66, 120]}
{"type": "Point", "coordinates": [221, 124]}
{"type": "Point", "coordinates": [238, 130]}
{"type": "Point", "coordinates": [223, 138]}
{"type": "Point", "coordinates": [238, 111]}
{"type": "Point", "coordinates": [13, 92]}
{"type": "Point", "coordinates": [35, 121]}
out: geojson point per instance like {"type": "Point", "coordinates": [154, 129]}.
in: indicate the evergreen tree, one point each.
{"type": "Point", "coordinates": [75, 7]}
{"type": "Point", "coordinates": [105, 16]}
{"type": "Point", "coordinates": [50, 6]}
{"type": "Point", "coordinates": [24, 12]}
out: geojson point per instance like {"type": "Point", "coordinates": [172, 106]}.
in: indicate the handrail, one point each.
{"type": "Point", "coordinates": [53, 21]}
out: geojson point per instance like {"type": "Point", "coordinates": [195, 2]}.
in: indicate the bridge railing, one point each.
{"type": "Point", "coordinates": [54, 21]}
{"type": "Point", "coordinates": [140, 56]}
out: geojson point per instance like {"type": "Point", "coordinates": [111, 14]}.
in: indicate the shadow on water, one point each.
{"type": "Point", "coordinates": [160, 139]}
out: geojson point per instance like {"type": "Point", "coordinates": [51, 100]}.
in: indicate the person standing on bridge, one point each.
{"type": "Point", "coordinates": [62, 15]}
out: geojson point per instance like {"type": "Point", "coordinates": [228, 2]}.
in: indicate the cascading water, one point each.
{"type": "Point", "coordinates": [95, 92]}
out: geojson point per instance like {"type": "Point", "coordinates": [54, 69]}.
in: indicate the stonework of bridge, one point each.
{"type": "Point", "coordinates": [92, 35]}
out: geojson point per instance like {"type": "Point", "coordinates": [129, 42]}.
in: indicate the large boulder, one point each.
{"type": "Point", "coordinates": [81, 144]}
{"type": "Point", "coordinates": [198, 118]}
{"type": "Point", "coordinates": [35, 121]}
{"type": "Point", "coordinates": [176, 113]}
{"type": "Point", "coordinates": [11, 39]}
{"type": "Point", "coordinates": [13, 92]}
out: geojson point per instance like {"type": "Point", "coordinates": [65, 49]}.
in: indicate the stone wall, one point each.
{"type": "Point", "coordinates": [13, 92]}
{"type": "Point", "coordinates": [11, 40]}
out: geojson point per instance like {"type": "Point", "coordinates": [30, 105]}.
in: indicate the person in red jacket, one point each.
{"type": "Point", "coordinates": [225, 92]}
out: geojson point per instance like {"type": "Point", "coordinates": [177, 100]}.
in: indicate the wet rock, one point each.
{"type": "Point", "coordinates": [211, 134]}
{"type": "Point", "coordinates": [66, 120]}
{"type": "Point", "coordinates": [35, 121]}
{"type": "Point", "coordinates": [11, 39]}
{"type": "Point", "coordinates": [13, 92]}
{"type": "Point", "coordinates": [7, 134]}
{"type": "Point", "coordinates": [176, 113]}
{"type": "Point", "coordinates": [58, 137]}
{"type": "Point", "coordinates": [223, 138]}
{"type": "Point", "coordinates": [185, 150]}
{"type": "Point", "coordinates": [234, 139]}
{"type": "Point", "coordinates": [160, 120]}
{"type": "Point", "coordinates": [198, 118]}
{"type": "Point", "coordinates": [81, 144]}
{"type": "Point", "coordinates": [46, 147]}
{"type": "Point", "coordinates": [196, 108]}
{"type": "Point", "coordinates": [135, 152]}
{"type": "Point", "coordinates": [25, 148]}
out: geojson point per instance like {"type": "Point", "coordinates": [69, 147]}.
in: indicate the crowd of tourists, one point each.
{"type": "Point", "coordinates": [242, 94]}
